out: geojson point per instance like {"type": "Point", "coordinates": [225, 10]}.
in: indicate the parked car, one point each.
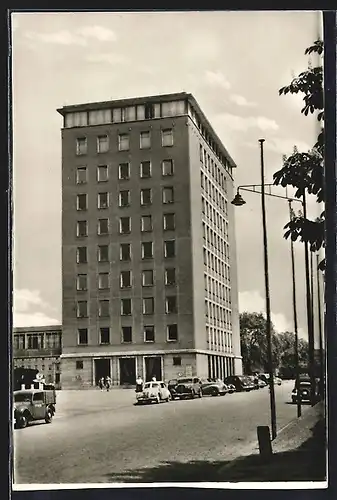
{"type": "Point", "coordinates": [153, 392]}
{"type": "Point", "coordinates": [261, 383]}
{"type": "Point", "coordinates": [303, 391]}
{"type": "Point", "coordinates": [188, 388]}
{"type": "Point", "coordinates": [213, 387]}
{"type": "Point", "coordinates": [277, 381]}
{"type": "Point", "coordinates": [172, 384]}
{"type": "Point", "coordinates": [231, 388]}
{"type": "Point", "coordinates": [254, 380]}
{"type": "Point", "coordinates": [33, 404]}
{"type": "Point", "coordinates": [241, 383]}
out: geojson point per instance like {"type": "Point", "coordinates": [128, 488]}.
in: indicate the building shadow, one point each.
{"type": "Point", "coordinates": [305, 463]}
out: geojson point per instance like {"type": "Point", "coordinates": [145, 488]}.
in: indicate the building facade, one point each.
{"type": "Point", "coordinates": [148, 245]}
{"type": "Point", "coordinates": [39, 348]}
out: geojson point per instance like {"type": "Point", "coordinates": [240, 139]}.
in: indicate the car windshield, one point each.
{"type": "Point", "coordinates": [185, 381]}
{"type": "Point", "coordinates": [149, 385]}
{"type": "Point", "coordinates": [22, 397]}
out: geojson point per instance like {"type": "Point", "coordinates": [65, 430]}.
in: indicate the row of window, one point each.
{"type": "Point", "coordinates": [37, 341]}
{"type": "Point", "coordinates": [148, 307]}
{"type": "Point", "coordinates": [213, 263]}
{"type": "Point", "coordinates": [216, 289]}
{"type": "Point", "coordinates": [124, 198]}
{"type": "Point", "coordinates": [216, 337]}
{"type": "Point", "coordinates": [210, 191]}
{"type": "Point", "coordinates": [103, 142]}
{"type": "Point", "coordinates": [124, 171]}
{"type": "Point", "coordinates": [218, 313]}
{"type": "Point", "coordinates": [125, 279]}
{"type": "Point", "coordinates": [146, 225]}
{"type": "Point", "coordinates": [215, 241]}
{"type": "Point", "coordinates": [127, 334]}
{"type": "Point", "coordinates": [125, 251]}
{"type": "Point", "coordinates": [213, 217]}
{"type": "Point", "coordinates": [212, 168]}
{"type": "Point", "coordinates": [146, 111]}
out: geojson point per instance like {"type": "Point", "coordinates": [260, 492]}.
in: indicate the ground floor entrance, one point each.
{"type": "Point", "coordinates": [153, 368]}
{"type": "Point", "coordinates": [220, 366]}
{"type": "Point", "coordinates": [102, 369]}
{"type": "Point", "coordinates": [127, 371]}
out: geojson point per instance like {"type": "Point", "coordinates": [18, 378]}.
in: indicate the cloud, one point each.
{"type": "Point", "coordinates": [24, 299]}
{"type": "Point", "coordinates": [98, 32]}
{"type": "Point", "coordinates": [33, 319]}
{"type": "Point", "coordinates": [78, 37]}
{"type": "Point", "coordinates": [286, 146]}
{"type": "Point", "coordinates": [28, 309]}
{"type": "Point", "coordinates": [242, 123]}
{"type": "Point", "coordinates": [62, 37]}
{"type": "Point", "coordinates": [217, 79]}
{"type": "Point", "coordinates": [107, 58]}
{"type": "Point", "coordinates": [241, 101]}
{"type": "Point", "coordinates": [251, 301]}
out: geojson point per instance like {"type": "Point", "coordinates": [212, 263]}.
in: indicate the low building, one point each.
{"type": "Point", "coordinates": [39, 348]}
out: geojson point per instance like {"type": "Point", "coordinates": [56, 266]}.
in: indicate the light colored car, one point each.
{"type": "Point", "coordinates": [153, 392]}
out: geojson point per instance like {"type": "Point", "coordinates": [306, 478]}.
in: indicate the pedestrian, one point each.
{"type": "Point", "coordinates": [139, 384]}
{"type": "Point", "coordinates": [154, 379]}
{"type": "Point", "coordinates": [101, 383]}
{"type": "Point", "coordinates": [108, 383]}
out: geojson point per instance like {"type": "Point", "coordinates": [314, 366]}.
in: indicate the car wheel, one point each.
{"type": "Point", "coordinates": [22, 422]}
{"type": "Point", "coordinates": [169, 398]}
{"type": "Point", "coordinates": [49, 416]}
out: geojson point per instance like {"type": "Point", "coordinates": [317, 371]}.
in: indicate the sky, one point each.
{"type": "Point", "coordinates": [234, 64]}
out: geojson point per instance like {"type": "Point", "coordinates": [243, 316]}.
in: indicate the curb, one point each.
{"type": "Point", "coordinates": [315, 412]}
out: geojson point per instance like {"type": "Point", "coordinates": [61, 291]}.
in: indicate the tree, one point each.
{"type": "Point", "coordinates": [304, 171]}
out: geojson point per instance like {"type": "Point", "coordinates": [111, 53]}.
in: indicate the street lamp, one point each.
{"type": "Point", "coordinates": [320, 330]}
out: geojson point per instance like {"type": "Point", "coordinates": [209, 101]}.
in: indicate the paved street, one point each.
{"type": "Point", "coordinates": [102, 437]}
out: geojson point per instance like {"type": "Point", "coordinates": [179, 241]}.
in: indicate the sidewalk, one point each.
{"type": "Point", "coordinates": [299, 454]}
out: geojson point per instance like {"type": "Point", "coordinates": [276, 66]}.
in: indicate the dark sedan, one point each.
{"type": "Point", "coordinates": [214, 387]}
{"type": "Point", "coordinates": [240, 382]}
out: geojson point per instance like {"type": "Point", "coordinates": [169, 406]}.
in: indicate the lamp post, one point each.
{"type": "Point", "coordinates": [299, 407]}
{"type": "Point", "coordinates": [320, 330]}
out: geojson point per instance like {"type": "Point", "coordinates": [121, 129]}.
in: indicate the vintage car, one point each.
{"type": "Point", "coordinates": [303, 391]}
{"type": "Point", "coordinates": [153, 392]}
{"type": "Point", "coordinates": [33, 404]}
{"type": "Point", "coordinates": [241, 383]}
{"type": "Point", "coordinates": [172, 384]}
{"type": "Point", "coordinates": [213, 387]}
{"type": "Point", "coordinates": [188, 388]}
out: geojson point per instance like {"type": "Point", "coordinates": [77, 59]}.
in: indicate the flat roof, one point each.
{"type": "Point", "coordinates": [31, 329]}
{"type": "Point", "coordinates": [155, 99]}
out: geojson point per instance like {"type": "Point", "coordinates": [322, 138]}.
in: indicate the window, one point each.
{"type": "Point", "coordinates": [146, 223]}
{"type": "Point", "coordinates": [146, 196]}
{"type": "Point", "coordinates": [125, 279]}
{"type": "Point", "coordinates": [82, 309]}
{"type": "Point", "coordinates": [81, 282]}
{"type": "Point", "coordinates": [103, 226]}
{"type": "Point", "coordinates": [147, 250]}
{"type": "Point", "coordinates": [169, 248]}
{"type": "Point", "coordinates": [82, 228]}
{"type": "Point", "coordinates": [82, 255]}
{"type": "Point", "coordinates": [168, 195]}
{"type": "Point", "coordinates": [145, 169]}
{"type": "Point", "coordinates": [83, 336]}
{"type": "Point", "coordinates": [124, 198]}
{"type": "Point", "coordinates": [103, 253]}
{"type": "Point", "coordinates": [171, 304]}
{"type": "Point", "coordinates": [173, 108]}
{"type": "Point", "coordinates": [169, 222]}
{"type": "Point", "coordinates": [170, 276]}
{"type": "Point", "coordinates": [126, 334]}
{"type": "Point", "coordinates": [81, 146]}
{"type": "Point", "coordinates": [99, 116]}
{"type": "Point", "coordinates": [79, 119]}
{"type": "Point", "coordinates": [167, 167]}
{"type": "Point", "coordinates": [123, 142]}
{"type": "Point", "coordinates": [81, 175]}
{"type": "Point", "coordinates": [82, 202]}
{"type": "Point", "coordinates": [125, 225]}
{"type": "Point", "coordinates": [141, 112]}
{"type": "Point", "coordinates": [103, 308]}
{"type": "Point", "coordinates": [126, 307]}
{"type": "Point", "coordinates": [103, 200]}
{"type": "Point", "coordinates": [149, 111]}
{"type": "Point", "coordinates": [103, 281]}
{"type": "Point", "coordinates": [102, 144]}
{"type": "Point", "coordinates": [104, 335]}
{"type": "Point", "coordinates": [128, 114]}
{"type": "Point", "coordinates": [148, 305]}
{"type": "Point", "coordinates": [124, 171]}
{"type": "Point", "coordinates": [102, 173]}
{"type": "Point", "coordinates": [176, 360]}
{"type": "Point", "coordinates": [167, 137]}
{"type": "Point", "coordinates": [145, 140]}
{"type": "Point", "coordinates": [147, 277]}
{"type": "Point", "coordinates": [172, 333]}
{"type": "Point", "coordinates": [149, 333]}
{"type": "Point", "coordinates": [125, 251]}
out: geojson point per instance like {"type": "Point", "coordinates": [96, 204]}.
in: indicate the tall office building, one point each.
{"type": "Point", "coordinates": [148, 244]}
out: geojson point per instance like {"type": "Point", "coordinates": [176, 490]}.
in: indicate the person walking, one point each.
{"type": "Point", "coordinates": [139, 384]}
{"type": "Point", "coordinates": [154, 379]}
{"type": "Point", "coordinates": [108, 383]}
{"type": "Point", "coordinates": [101, 383]}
